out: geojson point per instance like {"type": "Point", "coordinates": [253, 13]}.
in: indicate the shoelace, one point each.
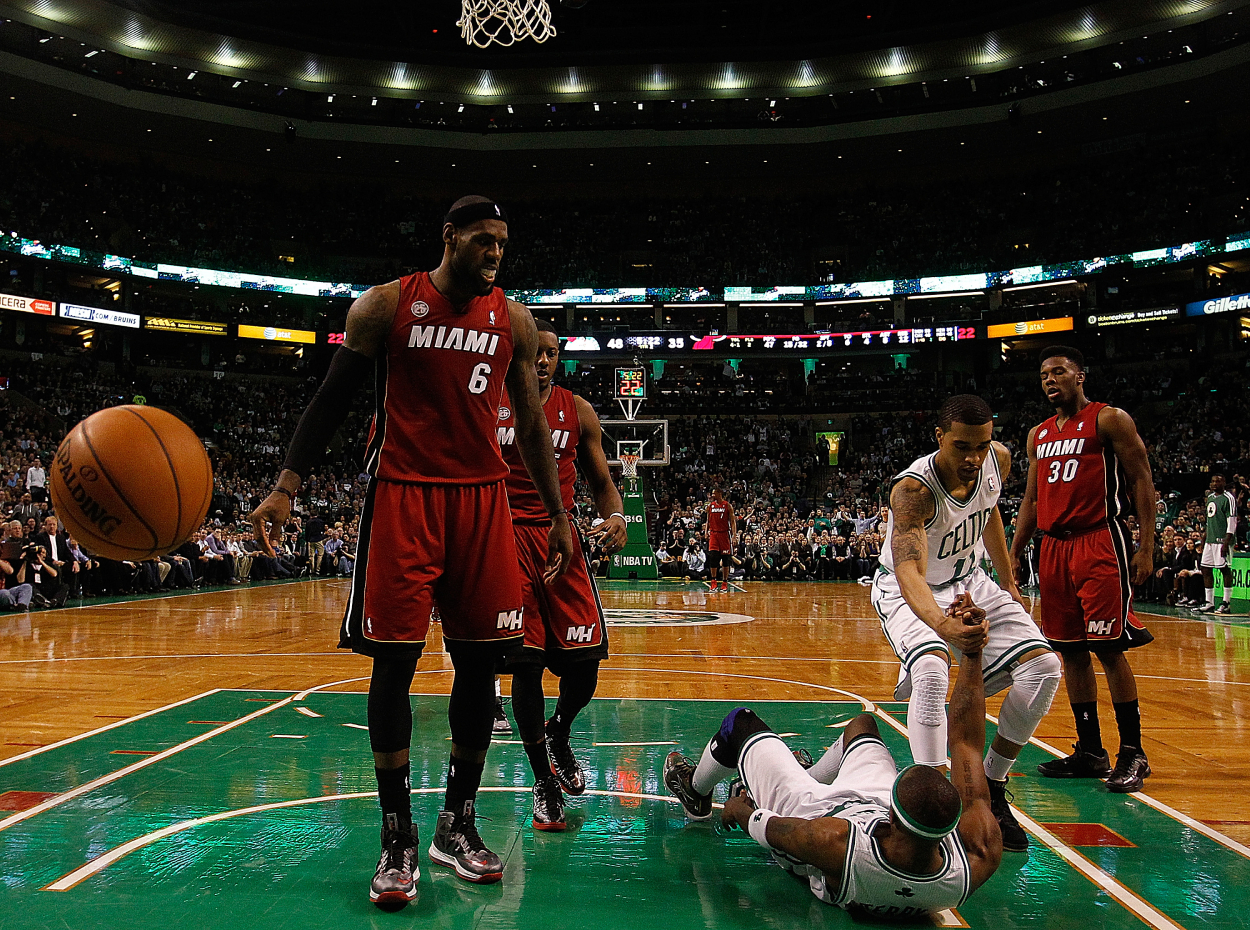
{"type": "Point", "coordinates": [393, 852]}
{"type": "Point", "coordinates": [470, 839]}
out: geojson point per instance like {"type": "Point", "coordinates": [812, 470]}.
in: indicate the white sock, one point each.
{"type": "Point", "coordinates": [498, 689]}
{"type": "Point", "coordinates": [1210, 599]}
{"type": "Point", "coordinates": [996, 766]}
{"type": "Point", "coordinates": [709, 773]}
{"type": "Point", "coordinates": [826, 768]}
{"type": "Point", "coordinates": [1228, 594]}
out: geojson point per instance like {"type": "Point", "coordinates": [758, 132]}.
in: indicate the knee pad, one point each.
{"type": "Point", "coordinates": [930, 678]}
{"type": "Point", "coordinates": [1033, 687]}
{"type": "Point", "coordinates": [738, 725]}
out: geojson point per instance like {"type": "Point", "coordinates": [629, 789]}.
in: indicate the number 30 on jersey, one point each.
{"type": "Point", "coordinates": [1062, 471]}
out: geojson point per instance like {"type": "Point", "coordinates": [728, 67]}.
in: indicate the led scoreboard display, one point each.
{"type": "Point", "coordinates": [631, 384]}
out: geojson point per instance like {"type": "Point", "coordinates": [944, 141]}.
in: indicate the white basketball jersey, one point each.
{"type": "Point", "coordinates": [954, 532]}
{"type": "Point", "coordinates": [872, 886]}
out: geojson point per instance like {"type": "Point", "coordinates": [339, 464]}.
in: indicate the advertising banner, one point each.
{"type": "Point", "coordinates": [277, 334]}
{"type": "Point", "coordinates": [1029, 328]}
{"type": "Point", "coordinates": [27, 305]}
{"type": "Point", "coordinates": [98, 315]}
{"type": "Point", "coordinates": [167, 324]}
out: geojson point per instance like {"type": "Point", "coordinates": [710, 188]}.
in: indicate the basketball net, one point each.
{"type": "Point", "coordinates": [504, 22]}
{"type": "Point", "coordinates": [629, 465]}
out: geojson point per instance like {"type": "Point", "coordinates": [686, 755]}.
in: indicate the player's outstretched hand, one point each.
{"type": "Point", "coordinates": [968, 630]}
{"type": "Point", "coordinates": [737, 810]}
{"type": "Point", "coordinates": [559, 548]}
{"type": "Point", "coordinates": [268, 520]}
{"type": "Point", "coordinates": [613, 533]}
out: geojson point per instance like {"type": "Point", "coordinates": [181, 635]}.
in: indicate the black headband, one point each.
{"type": "Point", "coordinates": [471, 213]}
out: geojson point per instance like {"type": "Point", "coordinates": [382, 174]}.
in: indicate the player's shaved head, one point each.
{"type": "Point", "coordinates": [545, 326]}
{"type": "Point", "coordinates": [964, 408]}
{"type": "Point", "coordinates": [468, 201]}
{"type": "Point", "coordinates": [927, 799]}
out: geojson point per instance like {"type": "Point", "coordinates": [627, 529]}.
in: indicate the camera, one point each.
{"type": "Point", "coordinates": [32, 551]}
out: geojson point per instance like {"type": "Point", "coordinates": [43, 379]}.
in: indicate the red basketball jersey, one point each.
{"type": "Point", "coordinates": [439, 384]}
{"type": "Point", "coordinates": [718, 518]}
{"type": "Point", "coordinates": [523, 499]}
{"type": "Point", "coordinates": [1080, 482]}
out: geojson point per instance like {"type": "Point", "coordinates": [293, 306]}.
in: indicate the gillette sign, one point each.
{"type": "Point", "coordinates": [1218, 305]}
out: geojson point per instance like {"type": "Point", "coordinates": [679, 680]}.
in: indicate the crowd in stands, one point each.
{"type": "Point", "coordinates": [799, 515]}
{"type": "Point", "coordinates": [1145, 196]}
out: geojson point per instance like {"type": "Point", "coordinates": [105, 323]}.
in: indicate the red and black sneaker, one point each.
{"type": "Point", "coordinates": [548, 805]}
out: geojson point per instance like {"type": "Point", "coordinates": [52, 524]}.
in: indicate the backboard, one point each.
{"type": "Point", "coordinates": [629, 435]}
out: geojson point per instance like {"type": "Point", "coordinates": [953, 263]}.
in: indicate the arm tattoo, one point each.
{"type": "Point", "coordinates": [911, 506]}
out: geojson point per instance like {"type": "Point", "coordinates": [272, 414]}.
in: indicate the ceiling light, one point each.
{"type": "Point", "coordinates": [91, 54]}
{"type": "Point", "coordinates": [374, 103]}
{"type": "Point", "coordinates": [192, 74]}
{"type": "Point", "coordinates": [596, 108]}
{"type": "Point", "coordinates": [330, 98]}
{"type": "Point", "coordinates": [509, 108]}
{"type": "Point", "coordinates": [640, 106]}
{"type": "Point", "coordinates": [236, 84]}
{"type": "Point", "coordinates": [460, 109]}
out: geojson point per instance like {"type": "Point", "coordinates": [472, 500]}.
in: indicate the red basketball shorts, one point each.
{"type": "Point", "coordinates": [1087, 591]}
{"type": "Point", "coordinates": [563, 620]}
{"type": "Point", "coordinates": [718, 542]}
{"type": "Point", "coordinates": [428, 547]}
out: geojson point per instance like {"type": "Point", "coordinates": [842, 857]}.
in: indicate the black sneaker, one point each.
{"type": "Point", "coordinates": [502, 725]}
{"type": "Point", "coordinates": [395, 881]}
{"type": "Point", "coordinates": [457, 844]}
{"type": "Point", "coordinates": [679, 779]}
{"type": "Point", "coordinates": [1080, 764]}
{"type": "Point", "coordinates": [1131, 769]}
{"type": "Point", "coordinates": [1224, 610]}
{"type": "Point", "coordinates": [1014, 837]}
{"type": "Point", "coordinates": [548, 804]}
{"type": "Point", "coordinates": [564, 764]}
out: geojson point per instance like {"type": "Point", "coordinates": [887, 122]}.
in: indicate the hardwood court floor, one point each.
{"type": "Point", "coordinates": [681, 658]}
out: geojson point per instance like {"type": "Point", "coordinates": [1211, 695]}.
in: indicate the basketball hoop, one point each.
{"type": "Point", "coordinates": [504, 22]}
{"type": "Point", "coordinates": [629, 465]}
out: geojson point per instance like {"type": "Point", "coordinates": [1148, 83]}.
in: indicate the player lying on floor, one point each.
{"type": "Point", "coordinates": [867, 838]}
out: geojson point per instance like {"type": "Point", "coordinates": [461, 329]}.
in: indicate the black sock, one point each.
{"type": "Point", "coordinates": [1128, 720]}
{"type": "Point", "coordinates": [577, 687]}
{"type": "Point", "coordinates": [1088, 732]}
{"type": "Point", "coordinates": [463, 780]}
{"type": "Point", "coordinates": [537, 753]}
{"type": "Point", "coordinates": [393, 793]}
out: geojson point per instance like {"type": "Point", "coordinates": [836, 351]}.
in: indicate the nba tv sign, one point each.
{"type": "Point", "coordinates": [1218, 305]}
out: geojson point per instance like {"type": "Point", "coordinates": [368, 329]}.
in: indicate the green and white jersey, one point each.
{"type": "Point", "coordinates": [1221, 516]}
{"type": "Point", "coordinates": [954, 532]}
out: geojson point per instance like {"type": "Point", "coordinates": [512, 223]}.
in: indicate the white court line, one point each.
{"type": "Point", "coordinates": [869, 706]}
{"type": "Point", "coordinates": [104, 729]}
{"type": "Point", "coordinates": [60, 799]}
{"type": "Point", "coordinates": [286, 736]}
{"type": "Point", "coordinates": [101, 862]}
{"type": "Point", "coordinates": [308, 713]}
{"type": "Point", "coordinates": [1196, 825]}
{"type": "Point", "coordinates": [656, 743]}
{"type": "Point", "coordinates": [1128, 899]}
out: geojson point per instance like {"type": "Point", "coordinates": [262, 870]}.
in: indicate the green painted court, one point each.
{"type": "Point", "coordinates": [242, 809]}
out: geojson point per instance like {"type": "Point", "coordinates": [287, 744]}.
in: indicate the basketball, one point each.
{"type": "Point", "coordinates": [131, 482]}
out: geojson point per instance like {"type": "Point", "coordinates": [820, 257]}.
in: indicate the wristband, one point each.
{"type": "Point", "coordinates": [618, 514]}
{"type": "Point", "coordinates": [556, 513]}
{"type": "Point", "coordinates": [757, 826]}
{"type": "Point", "coordinates": [289, 494]}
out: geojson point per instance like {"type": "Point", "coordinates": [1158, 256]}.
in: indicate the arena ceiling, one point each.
{"type": "Point", "coordinates": [640, 51]}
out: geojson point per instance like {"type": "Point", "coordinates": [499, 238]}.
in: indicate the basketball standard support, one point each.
{"type": "Point", "coordinates": [637, 559]}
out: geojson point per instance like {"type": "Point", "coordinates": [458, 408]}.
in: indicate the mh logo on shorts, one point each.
{"type": "Point", "coordinates": [579, 634]}
{"type": "Point", "coordinates": [511, 620]}
{"type": "Point", "coordinates": [1100, 627]}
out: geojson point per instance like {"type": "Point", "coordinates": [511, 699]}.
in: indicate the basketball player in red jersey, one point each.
{"type": "Point", "coordinates": [564, 626]}
{"type": "Point", "coordinates": [722, 524]}
{"type": "Point", "coordinates": [435, 532]}
{"type": "Point", "coordinates": [1087, 470]}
